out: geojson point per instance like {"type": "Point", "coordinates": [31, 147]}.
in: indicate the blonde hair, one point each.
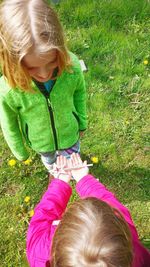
{"type": "Point", "coordinates": [26, 25]}
{"type": "Point", "coordinates": [92, 234]}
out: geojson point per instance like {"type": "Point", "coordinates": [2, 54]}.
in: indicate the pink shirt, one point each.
{"type": "Point", "coordinates": [51, 208]}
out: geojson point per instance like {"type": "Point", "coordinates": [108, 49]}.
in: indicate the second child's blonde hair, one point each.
{"type": "Point", "coordinates": [25, 26]}
{"type": "Point", "coordinates": [92, 234]}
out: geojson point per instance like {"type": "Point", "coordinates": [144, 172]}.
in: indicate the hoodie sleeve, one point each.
{"type": "Point", "coordinates": [80, 100]}
{"type": "Point", "coordinates": [11, 130]}
{"type": "Point", "coordinates": [50, 208]}
{"type": "Point", "coordinates": [88, 186]}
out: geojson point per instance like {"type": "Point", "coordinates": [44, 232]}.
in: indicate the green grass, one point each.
{"type": "Point", "coordinates": [113, 37]}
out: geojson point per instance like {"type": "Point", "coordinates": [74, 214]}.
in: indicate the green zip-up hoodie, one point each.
{"type": "Point", "coordinates": [44, 124]}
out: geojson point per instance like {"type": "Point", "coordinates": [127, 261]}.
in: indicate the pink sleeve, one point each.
{"type": "Point", "coordinates": [88, 186]}
{"type": "Point", "coordinates": [50, 208]}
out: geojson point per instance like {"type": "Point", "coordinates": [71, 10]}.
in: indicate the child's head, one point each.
{"type": "Point", "coordinates": [92, 234]}
{"type": "Point", "coordinates": [30, 29]}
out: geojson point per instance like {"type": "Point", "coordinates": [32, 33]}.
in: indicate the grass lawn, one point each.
{"type": "Point", "coordinates": [113, 38]}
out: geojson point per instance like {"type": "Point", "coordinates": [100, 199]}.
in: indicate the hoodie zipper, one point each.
{"type": "Point", "coordinates": [52, 122]}
{"type": "Point", "coordinates": [46, 95]}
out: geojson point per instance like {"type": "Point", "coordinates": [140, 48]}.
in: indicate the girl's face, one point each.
{"type": "Point", "coordinates": [41, 67]}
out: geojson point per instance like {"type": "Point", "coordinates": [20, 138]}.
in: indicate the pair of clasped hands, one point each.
{"type": "Point", "coordinates": [66, 169]}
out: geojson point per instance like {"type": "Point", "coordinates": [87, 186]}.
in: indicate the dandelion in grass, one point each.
{"type": "Point", "coordinates": [94, 159]}
{"type": "Point", "coordinates": [31, 213]}
{"type": "Point", "coordinates": [27, 199]}
{"type": "Point", "coordinates": [27, 162]}
{"type": "Point", "coordinates": [12, 162]}
{"type": "Point", "coordinates": [145, 62]}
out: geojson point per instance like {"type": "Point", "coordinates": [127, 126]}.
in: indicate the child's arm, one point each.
{"type": "Point", "coordinates": [80, 101]}
{"type": "Point", "coordinates": [50, 208]}
{"type": "Point", "coordinates": [11, 130]}
{"type": "Point", "coordinates": [88, 186]}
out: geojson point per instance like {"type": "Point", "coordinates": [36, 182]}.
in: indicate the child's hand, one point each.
{"type": "Point", "coordinates": [60, 173]}
{"type": "Point", "coordinates": [74, 162]}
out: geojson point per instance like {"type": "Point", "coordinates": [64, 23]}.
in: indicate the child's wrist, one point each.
{"type": "Point", "coordinates": [77, 179]}
{"type": "Point", "coordinates": [65, 178]}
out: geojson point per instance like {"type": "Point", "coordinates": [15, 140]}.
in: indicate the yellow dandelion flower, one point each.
{"type": "Point", "coordinates": [12, 162]}
{"type": "Point", "coordinates": [27, 199]}
{"type": "Point", "coordinates": [94, 159]}
{"type": "Point", "coordinates": [145, 62]}
{"type": "Point", "coordinates": [31, 213]}
{"type": "Point", "coordinates": [127, 122]}
{"type": "Point", "coordinates": [27, 162]}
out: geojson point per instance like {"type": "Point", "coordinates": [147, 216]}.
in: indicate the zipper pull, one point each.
{"type": "Point", "coordinates": [49, 103]}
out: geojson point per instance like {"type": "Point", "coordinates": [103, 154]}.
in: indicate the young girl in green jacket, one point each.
{"type": "Point", "coordinates": [42, 90]}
